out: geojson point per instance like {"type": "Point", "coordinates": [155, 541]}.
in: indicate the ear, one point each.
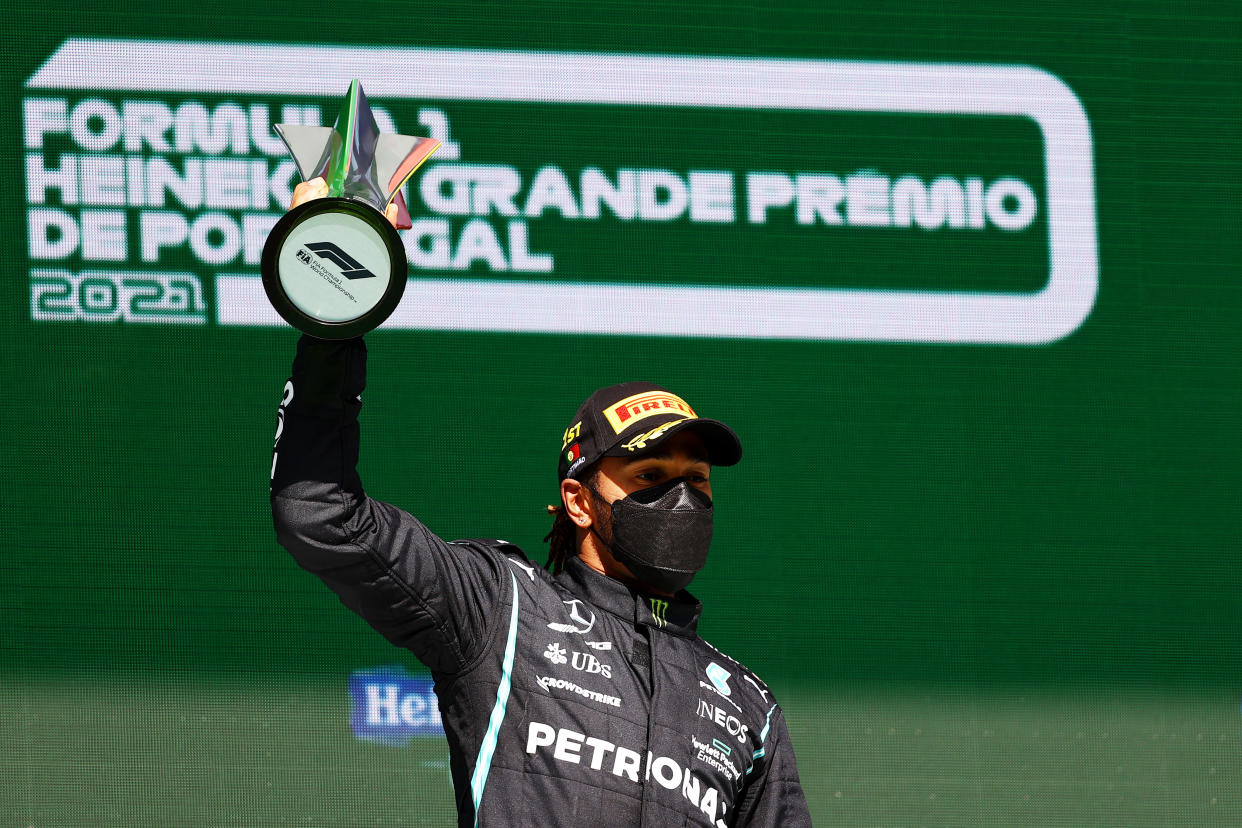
{"type": "Point", "coordinates": [578, 503]}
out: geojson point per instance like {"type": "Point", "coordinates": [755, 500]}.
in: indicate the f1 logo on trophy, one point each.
{"type": "Point", "coordinates": [334, 267]}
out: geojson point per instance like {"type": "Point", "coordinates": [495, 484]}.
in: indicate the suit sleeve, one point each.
{"type": "Point", "coordinates": [420, 592]}
{"type": "Point", "coordinates": [773, 796]}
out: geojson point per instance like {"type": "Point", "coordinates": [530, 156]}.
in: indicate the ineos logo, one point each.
{"type": "Point", "coordinates": [350, 267]}
{"type": "Point", "coordinates": [720, 716]}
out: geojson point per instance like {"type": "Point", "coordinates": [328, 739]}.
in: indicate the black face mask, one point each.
{"type": "Point", "coordinates": [662, 534]}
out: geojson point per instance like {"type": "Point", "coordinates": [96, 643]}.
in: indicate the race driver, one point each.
{"type": "Point", "coordinates": [576, 695]}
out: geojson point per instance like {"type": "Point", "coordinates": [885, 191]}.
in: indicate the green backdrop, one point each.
{"type": "Point", "coordinates": [993, 581]}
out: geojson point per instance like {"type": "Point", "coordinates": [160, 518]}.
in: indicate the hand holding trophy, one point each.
{"type": "Point", "coordinates": [334, 267]}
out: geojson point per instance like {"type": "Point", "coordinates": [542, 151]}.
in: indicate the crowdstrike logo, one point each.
{"type": "Point", "coordinates": [350, 267]}
{"type": "Point", "coordinates": [549, 684]}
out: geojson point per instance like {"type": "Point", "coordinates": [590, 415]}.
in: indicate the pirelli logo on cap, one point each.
{"type": "Point", "coordinates": [625, 413]}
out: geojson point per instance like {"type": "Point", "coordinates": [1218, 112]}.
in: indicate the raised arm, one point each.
{"type": "Point", "coordinates": [417, 590]}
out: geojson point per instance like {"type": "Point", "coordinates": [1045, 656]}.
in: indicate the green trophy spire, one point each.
{"type": "Point", "coordinates": [354, 122]}
{"type": "Point", "coordinates": [353, 157]}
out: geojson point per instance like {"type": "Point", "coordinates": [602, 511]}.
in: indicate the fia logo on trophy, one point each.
{"type": "Point", "coordinates": [334, 267]}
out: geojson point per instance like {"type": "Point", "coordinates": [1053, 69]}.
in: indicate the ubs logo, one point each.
{"type": "Point", "coordinates": [587, 663]}
{"type": "Point", "coordinates": [582, 662]}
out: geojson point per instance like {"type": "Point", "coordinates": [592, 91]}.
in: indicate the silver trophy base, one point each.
{"type": "Point", "coordinates": [334, 268]}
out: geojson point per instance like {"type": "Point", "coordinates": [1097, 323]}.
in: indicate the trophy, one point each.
{"type": "Point", "coordinates": [334, 267]}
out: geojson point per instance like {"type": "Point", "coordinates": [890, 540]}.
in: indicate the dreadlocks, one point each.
{"type": "Point", "coordinates": [562, 540]}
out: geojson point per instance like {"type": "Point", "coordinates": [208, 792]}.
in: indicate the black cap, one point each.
{"type": "Point", "coordinates": [631, 419]}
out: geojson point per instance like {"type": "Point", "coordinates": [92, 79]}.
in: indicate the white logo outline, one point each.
{"type": "Point", "coordinates": [581, 625]}
{"type": "Point", "coordinates": [556, 654]}
{"type": "Point", "coordinates": [529, 570]}
{"type": "Point", "coordinates": [754, 684]}
{"type": "Point", "coordinates": [719, 676]}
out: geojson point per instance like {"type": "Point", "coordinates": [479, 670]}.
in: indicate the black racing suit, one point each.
{"type": "Point", "coordinates": [567, 701]}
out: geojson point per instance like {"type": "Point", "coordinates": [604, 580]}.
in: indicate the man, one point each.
{"type": "Point", "coordinates": [580, 697]}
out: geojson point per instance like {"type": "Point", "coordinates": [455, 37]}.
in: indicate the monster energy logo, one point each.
{"type": "Point", "coordinates": [659, 610]}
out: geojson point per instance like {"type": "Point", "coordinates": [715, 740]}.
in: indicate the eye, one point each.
{"type": "Point", "coordinates": [697, 473]}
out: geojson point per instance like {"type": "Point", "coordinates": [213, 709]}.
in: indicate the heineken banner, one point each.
{"type": "Point", "coordinates": [962, 278]}
{"type": "Point", "coordinates": [193, 170]}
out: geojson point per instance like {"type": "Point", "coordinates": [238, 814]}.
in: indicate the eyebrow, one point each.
{"type": "Point", "coordinates": [657, 454]}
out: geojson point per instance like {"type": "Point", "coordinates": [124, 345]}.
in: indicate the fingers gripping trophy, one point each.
{"type": "Point", "coordinates": [335, 267]}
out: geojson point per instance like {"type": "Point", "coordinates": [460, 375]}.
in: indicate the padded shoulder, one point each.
{"type": "Point", "coordinates": [511, 550]}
